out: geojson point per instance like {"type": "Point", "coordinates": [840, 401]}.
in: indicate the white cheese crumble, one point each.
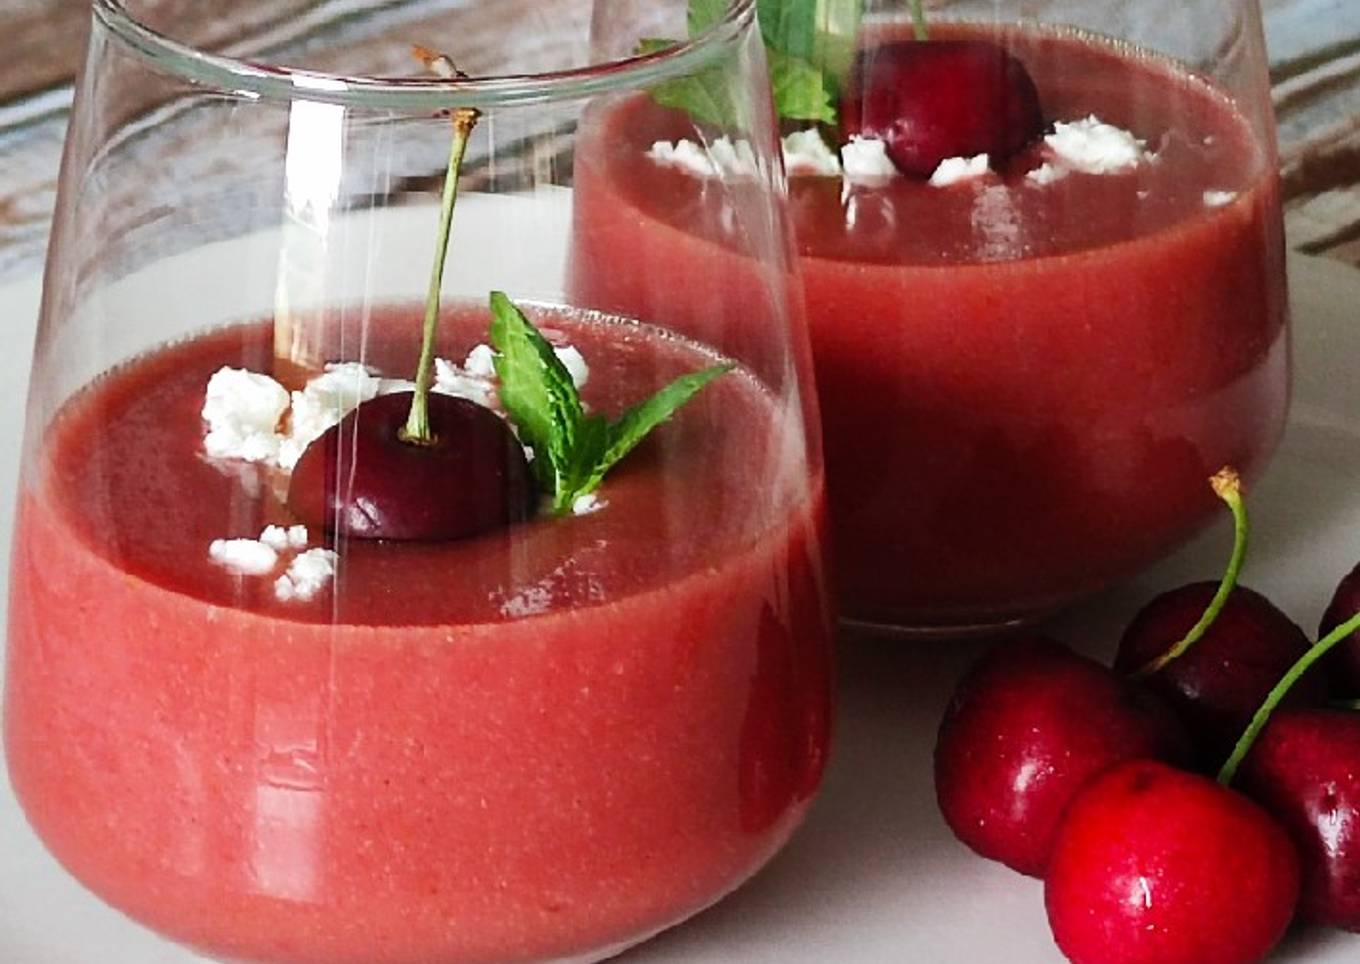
{"type": "Point", "coordinates": [575, 364]}
{"type": "Point", "coordinates": [324, 401]}
{"type": "Point", "coordinates": [1092, 146]}
{"type": "Point", "coordinates": [953, 170]}
{"type": "Point", "coordinates": [1046, 173]}
{"type": "Point", "coordinates": [866, 159]}
{"type": "Point", "coordinates": [806, 154]}
{"type": "Point", "coordinates": [481, 362]}
{"type": "Point", "coordinates": [280, 539]}
{"type": "Point", "coordinates": [1216, 199]}
{"type": "Point", "coordinates": [307, 572]}
{"type": "Point", "coordinates": [684, 154]}
{"type": "Point", "coordinates": [307, 575]}
{"type": "Point", "coordinates": [721, 156]}
{"type": "Point", "coordinates": [242, 410]}
{"type": "Point", "coordinates": [587, 504]}
{"type": "Point", "coordinates": [248, 557]}
{"type": "Point", "coordinates": [449, 379]}
{"type": "Point", "coordinates": [733, 158]}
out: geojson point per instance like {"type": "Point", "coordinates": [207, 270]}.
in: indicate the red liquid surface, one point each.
{"type": "Point", "coordinates": [542, 743]}
{"type": "Point", "coordinates": [1024, 389]}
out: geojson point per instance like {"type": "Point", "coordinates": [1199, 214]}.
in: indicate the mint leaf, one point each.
{"type": "Point", "coordinates": [536, 389]}
{"type": "Point", "coordinates": [706, 96]}
{"type": "Point", "coordinates": [810, 46]}
{"type": "Point", "coordinates": [638, 421]}
{"type": "Point", "coordinates": [572, 450]}
{"type": "Point", "coordinates": [789, 26]}
{"type": "Point", "coordinates": [704, 14]}
{"type": "Point", "coordinates": [800, 89]}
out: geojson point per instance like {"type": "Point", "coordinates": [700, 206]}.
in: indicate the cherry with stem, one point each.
{"type": "Point", "coordinates": [1227, 485]}
{"type": "Point", "coordinates": [918, 21]}
{"type": "Point", "coordinates": [1281, 690]}
{"type": "Point", "coordinates": [417, 429]}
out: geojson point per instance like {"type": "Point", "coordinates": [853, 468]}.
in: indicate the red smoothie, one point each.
{"type": "Point", "coordinates": [545, 742]}
{"type": "Point", "coordinates": [1024, 386]}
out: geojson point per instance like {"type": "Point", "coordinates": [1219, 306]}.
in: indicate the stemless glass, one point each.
{"type": "Point", "coordinates": [276, 741]}
{"type": "Point", "coordinates": [1027, 376]}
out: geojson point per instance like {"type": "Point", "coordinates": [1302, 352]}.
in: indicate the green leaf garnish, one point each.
{"type": "Point", "coordinates": [706, 96]}
{"type": "Point", "coordinates": [572, 450]}
{"type": "Point", "coordinates": [800, 89]}
{"type": "Point", "coordinates": [810, 46]}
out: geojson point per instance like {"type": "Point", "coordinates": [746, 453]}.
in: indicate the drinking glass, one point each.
{"type": "Point", "coordinates": [1030, 368]}
{"type": "Point", "coordinates": [255, 698]}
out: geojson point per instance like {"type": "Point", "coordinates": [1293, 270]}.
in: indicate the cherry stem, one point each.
{"type": "Point", "coordinates": [417, 429]}
{"type": "Point", "coordinates": [918, 21]}
{"type": "Point", "coordinates": [1281, 690]}
{"type": "Point", "coordinates": [1227, 486]}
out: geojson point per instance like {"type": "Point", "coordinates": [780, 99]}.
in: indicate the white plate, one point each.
{"type": "Point", "coordinates": [874, 876]}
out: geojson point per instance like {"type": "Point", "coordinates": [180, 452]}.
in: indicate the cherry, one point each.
{"type": "Point", "coordinates": [1344, 662]}
{"type": "Point", "coordinates": [1305, 769]}
{"type": "Point", "coordinates": [360, 479]}
{"type": "Point", "coordinates": [1217, 684]}
{"type": "Point", "coordinates": [1030, 724]}
{"type": "Point", "coordinates": [1151, 864]}
{"type": "Point", "coordinates": [949, 98]}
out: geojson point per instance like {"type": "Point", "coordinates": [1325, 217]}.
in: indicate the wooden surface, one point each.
{"type": "Point", "coordinates": [1315, 66]}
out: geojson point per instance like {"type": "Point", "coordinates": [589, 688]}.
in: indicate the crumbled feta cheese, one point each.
{"type": "Point", "coordinates": [586, 504]}
{"type": "Point", "coordinates": [324, 401]}
{"type": "Point", "coordinates": [952, 170]}
{"type": "Point", "coordinates": [1092, 146]}
{"type": "Point", "coordinates": [733, 159]}
{"type": "Point", "coordinates": [242, 410]}
{"type": "Point", "coordinates": [866, 159]}
{"type": "Point", "coordinates": [684, 154]}
{"type": "Point", "coordinates": [481, 362]}
{"type": "Point", "coordinates": [307, 575]}
{"type": "Point", "coordinates": [1216, 199]}
{"type": "Point", "coordinates": [281, 539]}
{"type": "Point", "coordinates": [249, 557]}
{"type": "Point", "coordinates": [1046, 173]}
{"type": "Point", "coordinates": [449, 379]}
{"type": "Point", "coordinates": [575, 365]}
{"type": "Point", "coordinates": [721, 156]}
{"type": "Point", "coordinates": [806, 154]}
{"type": "Point", "coordinates": [275, 537]}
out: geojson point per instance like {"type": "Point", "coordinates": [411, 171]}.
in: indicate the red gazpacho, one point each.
{"type": "Point", "coordinates": [543, 742]}
{"type": "Point", "coordinates": [1026, 376]}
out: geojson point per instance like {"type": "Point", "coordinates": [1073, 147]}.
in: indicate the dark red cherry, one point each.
{"type": "Point", "coordinates": [1305, 769]}
{"type": "Point", "coordinates": [360, 479]}
{"type": "Point", "coordinates": [1343, 663]}
{"type": "Point", "coordinates": [1027, 728]}
{"type": "Point", "coordinates": [1217, 685]}
{"type": "Point", "coordinates": [932, 100]}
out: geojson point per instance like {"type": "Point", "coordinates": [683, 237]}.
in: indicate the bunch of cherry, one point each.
{"type": "Point", "coordinates": [1093, 778]}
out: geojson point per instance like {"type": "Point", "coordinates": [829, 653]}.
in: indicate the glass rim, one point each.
{"type": "Point", "coordinates": [277, 82]}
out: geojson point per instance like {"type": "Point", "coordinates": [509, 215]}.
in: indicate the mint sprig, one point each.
{"type": "Point", "coordinates": [572, 450]}
{"type": "Point", "coordinates": [809, 45]}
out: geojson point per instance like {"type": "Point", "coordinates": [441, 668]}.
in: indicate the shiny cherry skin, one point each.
{"type": "Point", "coordinates": [1219, 683]}
{"type": "Point", "coordinates": [1152, 865]}
{"type": "Point", "coordinates": [360, 480]}
{"type": "Point", "coordinates": [949, 98]}
{"type": "Point", "coordinates": [1342, 664]}
{"type": "Point", "coordinates": [1305, 770]}
{"type": "Point", "coordinates": [1030, 724]}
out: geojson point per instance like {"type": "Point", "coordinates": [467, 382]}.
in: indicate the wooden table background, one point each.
{"type": "Point", "coordinates": [1315, 68]}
